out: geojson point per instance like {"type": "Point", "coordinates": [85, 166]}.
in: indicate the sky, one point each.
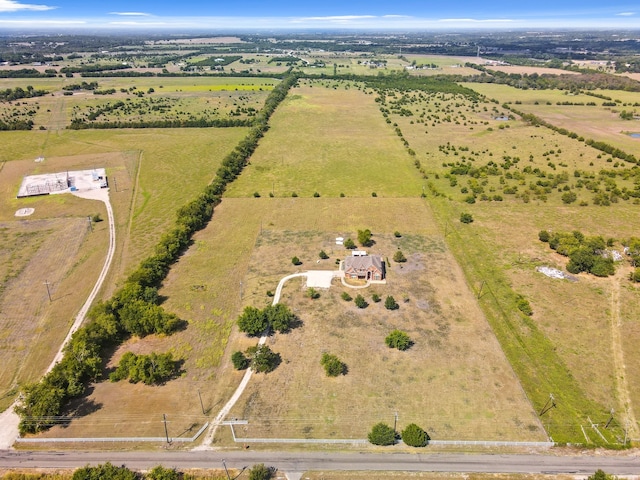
{"type": "Point", "coordinates": [426, 15]}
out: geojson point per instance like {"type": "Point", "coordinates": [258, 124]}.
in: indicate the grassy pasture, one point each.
{"type": "Point", "coordinates": [455, 353]}
{"type": "Point", "coordinates": [341, 145]}
{"type": "Point", "coordinates": [500, 250]}
{"type": "Point", "coordinates": [599, 123]}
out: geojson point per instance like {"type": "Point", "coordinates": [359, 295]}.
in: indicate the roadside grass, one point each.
{"type": "Point", "coordinates": [454, 381]}
{"type": "Point", "coordinates": [329, 141]}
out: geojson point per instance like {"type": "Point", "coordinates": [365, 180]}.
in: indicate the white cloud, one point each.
{"type": "Point", "coordinates": [42, 23]}
{"type": "Point", "coordinates": [474, 20]}
{"type": "Point", "coordinates": [396, 16]}
{"type": "Point", "coordinates": [139, 24]}
{"type": "Point", "coordinates": [131, 14]}
{"type": "Point", "coordinates": [625, 14]}
{"type": "Point", "coordinates": [334, 18]}
{"type": "Point", "coordinates": [13, 6]}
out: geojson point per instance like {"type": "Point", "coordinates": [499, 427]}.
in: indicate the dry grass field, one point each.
{"type": "Point", "coordinates": [454, 380]}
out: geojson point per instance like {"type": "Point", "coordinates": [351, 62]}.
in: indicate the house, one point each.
{"type": "Point", "coordinates": [364, 267]}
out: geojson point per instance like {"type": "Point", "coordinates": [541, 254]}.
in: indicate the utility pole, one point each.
{"type": "Point", "coordinates": [46, 282]}
{"type": "Point", "coordinates": [201, 404]}
{"type": "Point", "coordinates": [225, 469]}
{"type": "Point", "coordinates": [395, 424]}
{"type": "Point", "coordinates": [166, 432]}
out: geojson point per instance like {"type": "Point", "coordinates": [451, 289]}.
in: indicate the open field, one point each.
{"type": "Point", "coordinates": [137, 100]}
{"type": "Point", "coordinates": [455, 354]}
{"type": "Point", "coordinates": [500, 249]}
{"type": "Point", "coordinates": [596, 122]}
{"type": "Point", "coordinates": [334, 150]}
{"type": "Point", "coordinates": [144, 177]}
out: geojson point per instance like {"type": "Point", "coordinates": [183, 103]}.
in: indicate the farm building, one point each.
{"type": "Point", "coordinates": [364, 267]}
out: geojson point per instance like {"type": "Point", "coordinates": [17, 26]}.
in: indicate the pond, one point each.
{"type": "Point", "coordinates": [634, 135]}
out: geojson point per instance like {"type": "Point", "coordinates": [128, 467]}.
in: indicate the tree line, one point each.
{"type": "Point", "coordinates": [135, 308]}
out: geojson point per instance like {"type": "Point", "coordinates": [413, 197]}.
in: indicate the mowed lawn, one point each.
{"type": "Point", "coordinates": [329, 141]}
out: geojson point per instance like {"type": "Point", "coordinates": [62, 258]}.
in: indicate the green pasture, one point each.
{"type": "Point", "coordinates": [329, 141]}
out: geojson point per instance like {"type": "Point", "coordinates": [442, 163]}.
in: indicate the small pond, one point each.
{"type": "Point", "coordinates": [634, 135]}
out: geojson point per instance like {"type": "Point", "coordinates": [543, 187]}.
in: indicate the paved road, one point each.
{"type": "Point", "coordinates": [628, 464]}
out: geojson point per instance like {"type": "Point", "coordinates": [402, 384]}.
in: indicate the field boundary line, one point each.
{"type": "Point", "coordinates": [115, 439]}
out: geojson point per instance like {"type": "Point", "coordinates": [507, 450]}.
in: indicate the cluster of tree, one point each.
{"type": "Point", "coordinates": [134, 309]}
{"type": "Point", "coordinates": [81, 86]}
{"type": "Point", "coordinates": [598, 145]}
{"type": "Point", "coordinates": [17, 124]}
{"type": "Point", "coordinates": [259, 357]}
{"type": "Point", "coordinates": [217, 61]}
{"type": "Point", "coordinates": [82, 124]}
{"type": "Point", "coordinates": [94, 68]}
{"type": "Point", "coordinates": [25, 73]}
{"type": "Point", "coordinates": [289, 60]}
{"type": "Point", "coordinates": [587, 81]}
{"type": "Point", "coordinates": [254, 321]}
{"type": "Point", "coordinates": [333, 366]}
{"type": "Point", "coordinates": [586, 254]}
{"type": "Point", "coordinates": [412, 435]}
{"type": "Point", "coordinates": [106, 91]}
{"type": "Point", "coordinates": [121, 73]}
{"type": "Point", "coordinates": [17, 93]}
{"type": "Point", "coordinates": [149, 369]}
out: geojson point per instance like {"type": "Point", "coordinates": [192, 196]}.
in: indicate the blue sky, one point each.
{"type": "Point", "coordinates": [325, 14]}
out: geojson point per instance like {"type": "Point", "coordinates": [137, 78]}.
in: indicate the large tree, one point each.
{"type": "Point", "coordinates": [253, 321]}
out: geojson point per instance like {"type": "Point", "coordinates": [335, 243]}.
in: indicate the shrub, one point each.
{"type": "Point", "coordinates": [390, 303]}
{"type": "Point", "coordinates": [364, 237]}
{"type": "Point", "coordinates": [96, 218]}
{"type": "Point", "coordinates": [323, 255]}
{"type": "Point", "coordinates": [544, 236]}
{"type": "Point", "coordinates": [332, 365]}
{"type": "Point", "coordinates": [375, 297]}
{"type": "Point", "coordinates": [316, 194]}
{"type": "Point", "coordinates": [312, 293]}
{"type": "Point", "coordinates": [523, 305]}
{"type": "Point", "coordinates": [161, 473]}
{"type": "Point", "coordinates": [256, 194]}
{"type": "Point", "coordinates": [569, 197]}
{"type": "Point", "coordinates": [398, 339]}
{"type": "Point", "coordinates": [382, 434]}
{"type": "Point", "coordinates": [414, 436]}
{"type": "Point", "coordinates": [397, 234]}
{"type": "Point", "coordinates": [149, 369]}
{"type": "Point", "coordinates": [360, 301]}
{"type": "Point", "coordinates": [260, 472]}
{"type": "Point", "coordinates": [345, 296]}
{"type": "Point", "coordinates": [635, 275]}
{"type": "Point", "coordinates": [240, 362]}
{"type": "Point", "coordinates": [399, 257]}
{"type": "Point", "coordinates": [466, 218]}
{"type": "Point", "coordinates": [350, 244]}
{"type": "Point", "coordinates": [296, 261]}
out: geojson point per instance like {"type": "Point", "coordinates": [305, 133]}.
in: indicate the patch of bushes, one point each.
{"type": "Point", "coordinates": [398, 339]}
{"type": "Point", "coordinates": [333, 366]}
{"type": "Point", "coordinates": [382, 434]}
{"type": "Point", "coordinates": [586, 254]}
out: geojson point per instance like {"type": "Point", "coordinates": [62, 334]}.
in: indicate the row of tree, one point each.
{"type": "Point", "coordinates": [17, 93]}
{"type": "Point", "coordinates": [82, 124]}
{"type": "Point", "coordinates": [134, 309]}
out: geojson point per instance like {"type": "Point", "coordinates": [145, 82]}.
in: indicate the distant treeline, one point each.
{"type": "Point", "coordinates": [94, 68]}
{"type": "Point", "coordinates": [80, 124]}
{"type": "Point", "coordinates": [564, 81]}
{"type": "Point", "coordinates": [26, 73]}
{"type": "Point", "coordinates": [135, 308]}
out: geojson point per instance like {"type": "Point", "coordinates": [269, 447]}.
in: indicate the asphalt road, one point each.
{"type": "Point", "coordinates": [626, 464]}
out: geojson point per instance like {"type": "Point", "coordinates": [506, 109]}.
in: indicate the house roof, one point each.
{"type": "Point", "coordinates": [363, 263]}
